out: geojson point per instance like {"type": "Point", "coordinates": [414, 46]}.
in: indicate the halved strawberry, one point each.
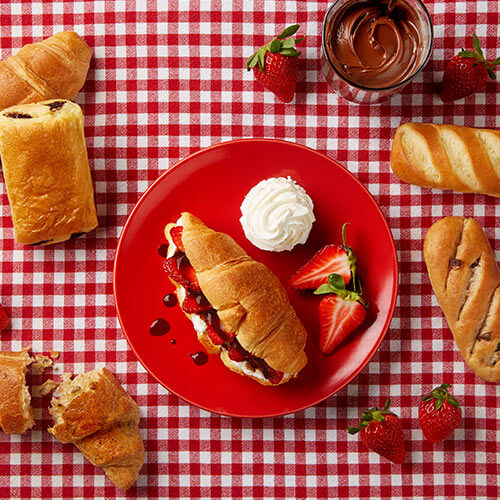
{"type": "Point", "coordinates": [176, 234]}
{"type": "Point", "coordinates": [331, 259]}
{"type": "Point", "coordinates": [340, 313]}
{"type": "Point", "coordinates": [274, 376]}
{"type": "Point", "coordinates": [4, 319]}
{"type": "Point", "coordinates": [195, 303]}
{"type": "Point", "coordinates": [181, 271]}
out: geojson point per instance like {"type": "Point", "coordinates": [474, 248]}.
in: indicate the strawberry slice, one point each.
{"type": "Point", "coordinates": [4, 319]}
{"type": "Point", "coordinates": [215, 336]}
{"type": "Point", "coordinates": [340, 312]}
{"type": "Point", "coordinates": [236, 352]}
{"type": "Point", "coordinates": [181, 271]}
{"type": "Point", "coordinates": [274, 375]}
{"type": "Point", "coordinates": [331, 259]}
{"type": "Point", "coordinates": [176, 234]}
{"type": "Point", "coordinates": [195, 303]}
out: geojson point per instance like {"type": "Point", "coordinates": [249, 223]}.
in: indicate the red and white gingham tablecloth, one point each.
{"type": "Point", "coordinates": [167, 79]}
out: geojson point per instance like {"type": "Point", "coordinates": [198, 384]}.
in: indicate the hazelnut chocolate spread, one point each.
{"type": "Point", "coordinates": [375, 44]}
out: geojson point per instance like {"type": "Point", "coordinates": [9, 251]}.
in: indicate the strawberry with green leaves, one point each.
{"type": "Point", "coordinates": [381, 431]}
{"type": "Point", "coordinates": [439, 414]}
{"type": "Point", "coordinates": [467, 73]}
{"type": "Point", "coordinates": [276, 65]}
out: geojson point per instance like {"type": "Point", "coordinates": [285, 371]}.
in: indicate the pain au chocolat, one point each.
{"type": "Point", "coordinates": [238, 307]}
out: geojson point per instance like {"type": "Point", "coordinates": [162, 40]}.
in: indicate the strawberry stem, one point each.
{"type": "Point", "coordinates": [371, 414]}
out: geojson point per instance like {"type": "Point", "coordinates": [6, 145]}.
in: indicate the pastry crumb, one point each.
{"type": "Point", "coordinates": [42, 362]}
{"type": "Point", "coordinates": [54, 354]}
{"type": "Point", "coordinates": [47, 387]}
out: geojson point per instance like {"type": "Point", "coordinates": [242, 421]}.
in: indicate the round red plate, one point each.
{"type": "Point", "coordinates": [212, 184]}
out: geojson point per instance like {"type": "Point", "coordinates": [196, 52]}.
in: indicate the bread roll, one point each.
{"type": "Point", "coordinates": [94, 412]}
{"type": "Point", "coordinates": [16, 413]}
{"type": "Point", "coordinates": [466, 280]}
{"type": "Point", "coordinates": [448, 157]}
{"type": "Point", "coordinates": [46, 171]}
{"type": "Point", "coordinates": [53, 68]}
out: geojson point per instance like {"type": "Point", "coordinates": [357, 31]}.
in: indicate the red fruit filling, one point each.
{"type": "Point", "coordinates": [179, 269]}
{"type": "Point", "coordinates": [176, 235]}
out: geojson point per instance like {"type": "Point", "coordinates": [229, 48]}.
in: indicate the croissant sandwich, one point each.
{"type": "Point", "coordinates": [94, 412]}
{"type": "Point", "coordinates": [238, 307]}
{"type": "Point", "coordinates": [53, 68]}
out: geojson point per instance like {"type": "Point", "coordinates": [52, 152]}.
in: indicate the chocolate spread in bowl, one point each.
{"type": "Point", "coordinates": [375, 44]}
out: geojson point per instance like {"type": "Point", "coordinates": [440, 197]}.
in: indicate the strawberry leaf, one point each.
{"type": "Point", "coordinates": [288, 43]}
{"type": "Point", "coordinates": [252, 61]}
{"type": "Point", "coordinates": [298, 40]}
{"type": "Point", "coordinates": [289, 52]}
{"type": "Point", "coordinates": [261, 57]}
{"type": "Point", "coordinates": [496, 62]}
{"type": "Point", "coordinates": [336, 281]}
{"type": "Point", "coordinates": [477, 46]}
{"type": "Point", "coordinates": [291, 30]}
{"type": "Point", "coordinates": [467, 53]}
{"type": "Point", "coordinates": [276, 45]}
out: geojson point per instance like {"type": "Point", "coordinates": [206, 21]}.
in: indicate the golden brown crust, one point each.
{"type": "Point", "coordinates": [16, 414]}
{"type": "Point", "coordinates": [94, 412]}
{"type": "Point", "coordinates": [466, 280]}
{"type": "Point", "coordinates": [46, 172]}
{"type": "Point", "coordinates": [248, 297]}
{"type": "Point", "coordinates": [447, 157]}
{"type": "Point", "coordinates": [53, 68]}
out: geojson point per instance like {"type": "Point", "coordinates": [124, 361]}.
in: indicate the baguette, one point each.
{"type": "Point", "coordinates": [53, 68]}
{"type": "Point", "coordinates": [448, 157]}
{"type": "Point", "coordinates": [16, 413]}
{"type": "Point", "coordinates": [466, 280]}
{"type": "Point", "coordinates": [250, 302]}
{"type": "Point", "coordinates": [94, 412]}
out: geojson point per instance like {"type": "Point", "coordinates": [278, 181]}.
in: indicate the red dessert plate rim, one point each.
{"type": "Point", "coordinates": [395, 278]}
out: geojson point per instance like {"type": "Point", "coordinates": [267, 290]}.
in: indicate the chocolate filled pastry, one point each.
{"type": "Point", "coordinates": [46, 172]}
{"type": "Point", "coordinates": [238, 307]}
{"type": "Point", "coordinates": [53, 68]}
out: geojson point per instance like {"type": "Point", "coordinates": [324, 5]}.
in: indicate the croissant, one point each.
{"type": "Point", "coordinates": [16, 413]}
{"type": "Point", "coordinates": [94, 412]}
{"type": "Point", "coordinates": [448, 157]}
{"type": "Point", "coordinates": [247, 316]}
{"type": "Point", "coordinates": [53, 68]}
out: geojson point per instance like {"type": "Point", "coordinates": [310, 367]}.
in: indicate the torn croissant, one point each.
{"type": "Point", "coordinates": [94, 412]}
{"type": "Point", "coordinates": [16, 413]}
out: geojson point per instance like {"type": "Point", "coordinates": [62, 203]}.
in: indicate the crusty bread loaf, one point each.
{"type": "Point", "coordinates": [448, 157]}
{"type": "Point", "coordinates": [94, 412]}
{"type": "Point", "coordinates": [16, 413]}
{"type": "Point", "coordinates": [53, 68]}
{"type": "Point", "coordinates": [466, 280]}
{"type": "Point", "coordinates": [46, 171]}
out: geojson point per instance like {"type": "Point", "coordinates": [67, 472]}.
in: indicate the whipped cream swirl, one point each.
{"type": "Point", "coordinates": [277, 214]}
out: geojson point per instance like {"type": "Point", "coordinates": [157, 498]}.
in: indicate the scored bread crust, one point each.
{"type": "Point", "coordinates": [16, 413]}
{"type": "Point", "coordinates": [466, 281]}
{"type": "Point", "coordinates": [439, 156]}
{"type": "Point", "coordinates": [96, 414]}
{"type": "Point", "coordinates": [248, 297]}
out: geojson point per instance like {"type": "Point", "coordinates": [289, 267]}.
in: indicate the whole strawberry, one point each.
{"type": "Point", "coordinates": [467, 73]}
{"type": "Point", "coordinates": [276, 65]}
{"type": "Point", "coordinates": [382, 432]}
{"type": "Point", "coordinates": [439, 414]}
{"type": "Point", "coordinates": [4, 319]}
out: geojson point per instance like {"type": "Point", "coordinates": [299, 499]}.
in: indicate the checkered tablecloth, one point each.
{"type": "Point", "coordinates": [167, 79]}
